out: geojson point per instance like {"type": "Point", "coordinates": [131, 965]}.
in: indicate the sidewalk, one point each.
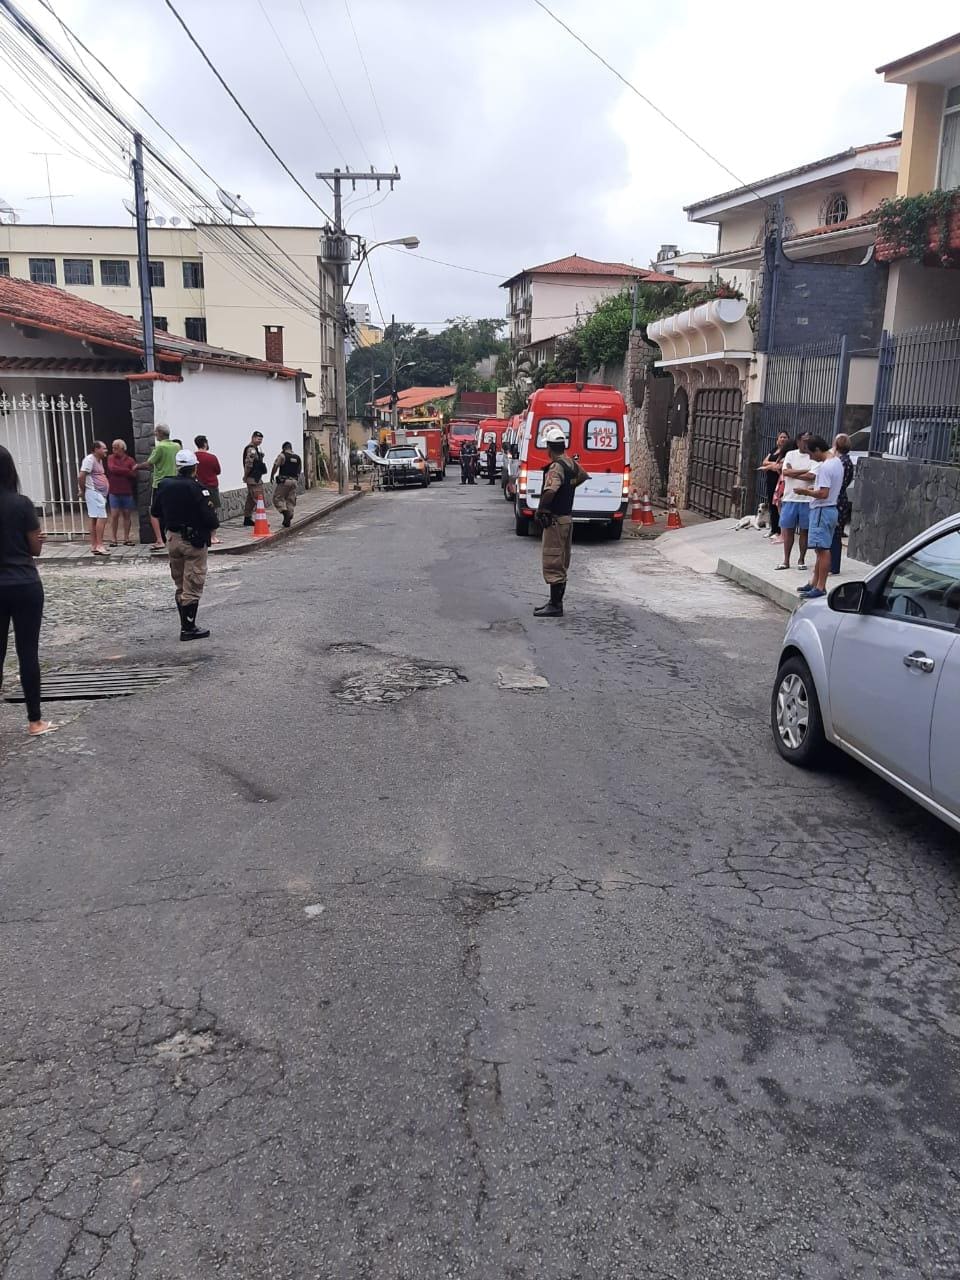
{"type": "Point", "coordinates": [747, 558]}
{"type": "Point", "coordinates": [236, 539]}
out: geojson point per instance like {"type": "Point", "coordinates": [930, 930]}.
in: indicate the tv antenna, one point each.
{"type": "Point", "coordinates": [234, 204]}
{"type": "Point", "coordinates": [50, 196]}
{"type": "Point", "coordinates": [8, 213]}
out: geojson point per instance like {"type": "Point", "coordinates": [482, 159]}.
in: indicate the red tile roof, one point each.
{"type": "Point", "coordinates": [575, 265]}
{"type": "Point", "coordinates": [849, 224]}
{"type": "Point", "coordinates": [41, 306]}
{"type": "Point", "coordinates": [414, 397]}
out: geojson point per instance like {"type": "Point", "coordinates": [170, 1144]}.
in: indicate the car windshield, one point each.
{"type": "Point", "coordinates": [462, 429]}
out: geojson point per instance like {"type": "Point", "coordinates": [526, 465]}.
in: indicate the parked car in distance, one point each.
{"type": "Point", "coordinates": [874, 669]}
{"type": "Point", "coordinates": [405, 464]}
{"type": "Point", "coordinates": [593, 417]}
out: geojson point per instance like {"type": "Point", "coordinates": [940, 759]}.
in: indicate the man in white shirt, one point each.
{"type": "Point", "coordinates": [822, 496]}
{"type": "Point", "coordinates": [798, 469]}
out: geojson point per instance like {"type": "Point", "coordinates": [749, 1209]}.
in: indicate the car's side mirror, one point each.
{"type": "Point", "coordinates": [848, 597]}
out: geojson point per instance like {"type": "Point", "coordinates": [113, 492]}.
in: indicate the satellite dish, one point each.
{"type": "Point", "coordinates": [234, 204]}
{"type": "Point", "coordinates": [160, 220]}
{"type": "Point", "coordinates": [175, 222]}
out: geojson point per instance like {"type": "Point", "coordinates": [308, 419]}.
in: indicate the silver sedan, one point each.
{"type": "Point", "coordinates": [874, 669]}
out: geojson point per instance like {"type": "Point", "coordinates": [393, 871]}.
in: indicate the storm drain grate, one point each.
{"type": "Point", "coordinates": [68, 686]}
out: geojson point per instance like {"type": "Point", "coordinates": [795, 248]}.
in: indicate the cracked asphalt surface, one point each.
{"type": "Point", "coordinates": [334, 958]}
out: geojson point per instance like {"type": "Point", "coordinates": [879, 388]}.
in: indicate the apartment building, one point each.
{"type": "Point", "coordinates": [207, 286]}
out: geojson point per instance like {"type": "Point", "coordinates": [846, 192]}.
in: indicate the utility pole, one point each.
{"type": "Point", "coordinates": [394, 407]}
{"type": "Point", "coordinates": [337, 251]}
{"type": "Point", "coordinates": [143, 256]}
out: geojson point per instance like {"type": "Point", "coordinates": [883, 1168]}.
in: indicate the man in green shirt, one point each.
{"type": "Point", "coordinates": [163, 463]}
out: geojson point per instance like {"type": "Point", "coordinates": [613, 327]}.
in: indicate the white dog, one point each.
{"type": "Point", "coordinates": [759, 521]}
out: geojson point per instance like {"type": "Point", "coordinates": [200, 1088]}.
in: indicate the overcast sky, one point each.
{"type": "Point", "coordinates": [515, 146]}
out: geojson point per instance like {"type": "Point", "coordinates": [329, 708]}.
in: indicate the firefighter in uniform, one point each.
{"type": "Point", "coordinates": [286, 471]}
{"type": "Point", "coordinates": [190, 517]}
{"type": "Point", "coordinates": [561, 477]}
{"type": "Point", "coordinates": [469, 457]}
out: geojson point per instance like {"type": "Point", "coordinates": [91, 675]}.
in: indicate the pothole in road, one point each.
{"type": "Point", "coordinates": [185, 1044]}
{"type": "Point", "coordinates": [394, 682]}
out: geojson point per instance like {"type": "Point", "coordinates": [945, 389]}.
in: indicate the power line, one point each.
{"type": "Point", "coordinates": [306, 91]}
{"type": "Point", "coordinates": [366, 72]}
{"type": "Point", "coordinates": [650, 103]}
{"type": "Point", "coordinates": [323, 59]}
{"type": "Point", "coordinates": [244, 112]}
{"type": "Point", "coordinates": [497, 275]}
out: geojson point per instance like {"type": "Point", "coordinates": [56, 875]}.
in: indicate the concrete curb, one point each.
{"type": "Point", "coordinates": [241, 549]}
{"type": "Point", "coordinates": [245, 548]}
{"type": "Point", "coordinates": [782, 596]}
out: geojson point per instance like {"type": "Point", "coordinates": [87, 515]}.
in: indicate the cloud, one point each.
{"type": "Point", "coordinates": [514, 144]}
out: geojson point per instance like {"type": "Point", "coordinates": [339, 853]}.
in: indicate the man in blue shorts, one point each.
{"type": "Point", "coordinates": [798, 467]}
{"type": "Point", "coordinates": [822, 495]}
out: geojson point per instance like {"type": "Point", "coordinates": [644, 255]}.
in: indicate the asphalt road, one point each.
{"type": "Point", "coordinates": [335, 958]}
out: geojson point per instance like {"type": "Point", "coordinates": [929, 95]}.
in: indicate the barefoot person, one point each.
{"type": "Point", "coordinates": [122, 478]}
{"type": "Point", "coordinates": [94, 487]}
{"type": "Point", "coordinates": [21, 591]}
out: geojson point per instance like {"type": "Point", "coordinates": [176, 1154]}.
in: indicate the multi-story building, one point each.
{"type": "Point", "coordinates": [359, 312]}
{"type": "Point", "coordinates": [689, 264]}
{"type": "Point", "coordinates": [547, 301]}
{"type": "Point", "coordinates": [207, 285]}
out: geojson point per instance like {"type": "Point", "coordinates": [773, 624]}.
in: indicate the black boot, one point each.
{"type": "Point", "coordinates": [287, 520]}
{"type": "Point", "coordinates": [555, 607]}
{"type": "Point", "coordinates": [188, 623]}
{"type": "Point", "coordinates": [248, 520]}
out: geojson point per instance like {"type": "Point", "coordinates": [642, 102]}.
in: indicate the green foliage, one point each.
{"type": "Point", "coordinates": [437, 359]}
{"type": "Point", "coordinates": [906, 225]}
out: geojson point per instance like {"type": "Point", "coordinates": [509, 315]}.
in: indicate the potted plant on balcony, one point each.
{"type": "Point", "coordinates": [924, 227]}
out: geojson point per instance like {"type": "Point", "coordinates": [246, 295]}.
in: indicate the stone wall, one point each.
{"type": "Point", "coordinates": [141, 416]}
{"type": "Point", "coordinates": [638, 368]}
{"type": "Point", "coordinates": [893, 500]}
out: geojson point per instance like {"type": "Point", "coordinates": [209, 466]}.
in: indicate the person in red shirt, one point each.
{"type": "Point", "coordinates": [208, 473]}
{"type": "Point", "coordinates": [121, 472]}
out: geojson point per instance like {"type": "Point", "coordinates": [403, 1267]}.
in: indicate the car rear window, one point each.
{"type": "Point", "coordinates": [404, 453]}
{"type": "Point", "coordinates": [544, 425]}
{"type": "Point", "coordinates": [602, 434]}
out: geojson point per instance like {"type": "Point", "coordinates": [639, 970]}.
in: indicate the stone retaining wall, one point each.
{"type": "Point", "coordinates": [895, 500]}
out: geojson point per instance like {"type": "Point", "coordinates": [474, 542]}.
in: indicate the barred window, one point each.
{"type": "Point", "coordinates": [115, 274]}
{"type": "Point", "coordinates": [837, 210]}
{"type": "Point", "coordinates": [43, 270]}
{"type": "Point", "coordinates": [78, 271]}
{"type": "Point", "coordinates": [193, 276]}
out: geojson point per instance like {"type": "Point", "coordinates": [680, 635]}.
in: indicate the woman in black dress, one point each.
{"type": "Point", "coordinates": [771, 472]}
{"type": "Point", "coordinates": [21, 591]}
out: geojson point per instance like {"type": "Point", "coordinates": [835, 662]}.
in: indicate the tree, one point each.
{"type": "Point", "coordinates": [436, 359]}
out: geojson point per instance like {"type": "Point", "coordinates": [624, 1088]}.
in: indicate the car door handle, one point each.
{"type": "Point", "coordinates": [919, 661]}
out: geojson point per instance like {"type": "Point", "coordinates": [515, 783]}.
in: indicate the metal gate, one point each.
{"type": "Point", "coordinates": [49, 438]}
{"type": "Point", "coordinates": [716, 428]}
{"type": "Point", "coordinates": [916, 409]}
{"type": "Point", "coordinates": [805, 389]}
{"type": "Point", "coordinates": [659, 392]}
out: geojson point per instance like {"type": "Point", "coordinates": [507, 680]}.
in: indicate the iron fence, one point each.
{"type": "Point", "coordinates": [49, 438]}
{"type": "Point", "coordinates": [804, 390]}
{"type": "Point", "coordinates": [916, 412]}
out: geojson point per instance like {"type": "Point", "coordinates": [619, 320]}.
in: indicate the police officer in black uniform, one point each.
{"type": "Point", "coordinates": [185, 508]}
{"type": "Point", "coordinates": [469, 459]}
{"type": "Point", "coordinates": [492, 460]}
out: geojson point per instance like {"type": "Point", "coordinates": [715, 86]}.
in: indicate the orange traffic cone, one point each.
{"type": "Point", "coordinates": [673, 515]}
{"type": "Point", "coordinates": [636, 513]}
{"type": "Point", "coordinates": [261, 526]}
{"type": "Point", "coordinates": [646, 511]}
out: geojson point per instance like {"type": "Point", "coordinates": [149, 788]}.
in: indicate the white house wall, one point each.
{"type": "Point", "coordinates": [226, 405]}
{"type": "Point", "coordinates": [557, 302]}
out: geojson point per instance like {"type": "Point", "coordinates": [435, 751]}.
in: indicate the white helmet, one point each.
{"type": "Point", "coordinates": [555, 435]}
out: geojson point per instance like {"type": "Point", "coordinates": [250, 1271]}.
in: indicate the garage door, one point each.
{"type": "Point", "coordinates": [715, 433]}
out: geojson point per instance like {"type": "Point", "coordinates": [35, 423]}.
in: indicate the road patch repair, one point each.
{"type": "Point", "coordinates": [520, 679]}
{"type": "Point", "coordinates": [385, 677]}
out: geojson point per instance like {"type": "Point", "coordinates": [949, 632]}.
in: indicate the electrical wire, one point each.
{"type": "Point", "coordinates": [306, 91]}
{"type": "Point", "coordinates": [327, 68]}
{"type": "Point", "coordinates": [366, 72]}
{"type": "Point", "coordinates": [649, 101]}
{"type": "Point", "coordinates": [245, 113]}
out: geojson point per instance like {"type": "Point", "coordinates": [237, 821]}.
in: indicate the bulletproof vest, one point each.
{"type": "Point", "coordinates": [181, 499]}
{"type": "Point", "coordinates": [562, 503]}
{"type": "Point", "coordinates": [290, 467]}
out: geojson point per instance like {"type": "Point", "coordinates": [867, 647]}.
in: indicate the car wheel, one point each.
{"type": "Point", "coordinates": [521, 525]}
{"type": "Point", "coordinates": [795, 715]}
{"type": "Point", "coordinates": [615, 530]}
